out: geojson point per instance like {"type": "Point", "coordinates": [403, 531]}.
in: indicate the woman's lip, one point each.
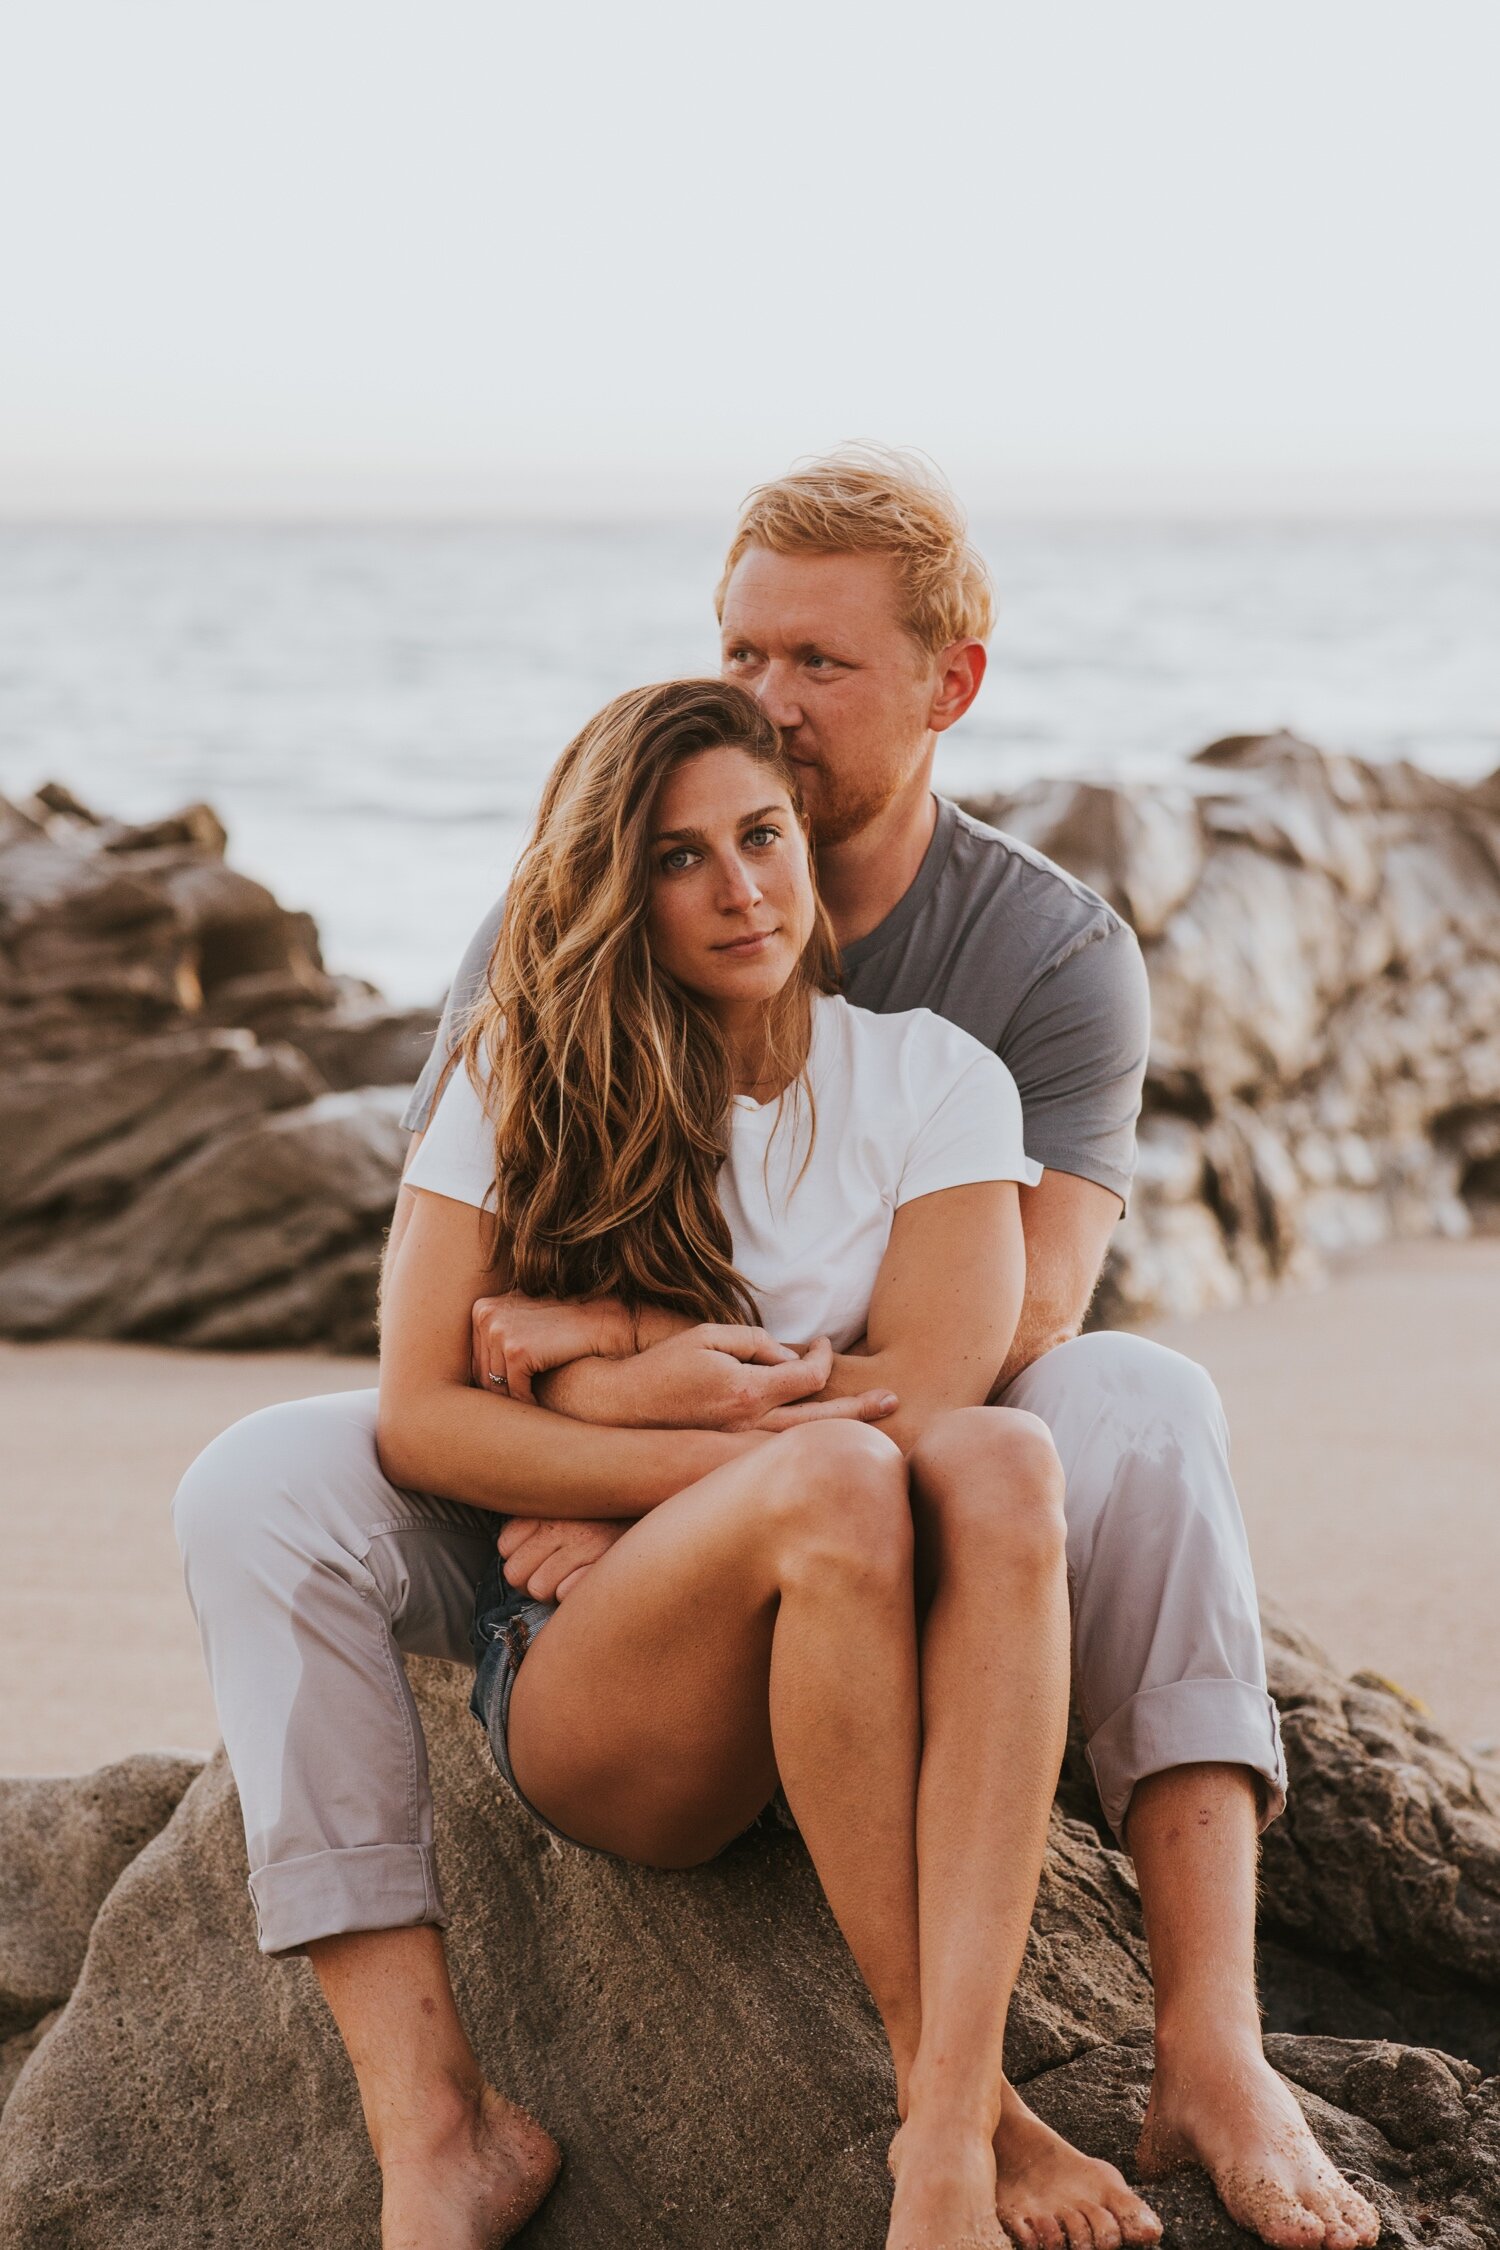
{"type": "Point", "coordinates": [745, 944]}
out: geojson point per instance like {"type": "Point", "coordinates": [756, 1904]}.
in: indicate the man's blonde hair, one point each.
{"type": "Point", "coordinates": [878, 500]}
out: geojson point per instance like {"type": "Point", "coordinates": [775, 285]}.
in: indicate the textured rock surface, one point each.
{"type": "Point", "coordinates": [1323, 942]}
{"type": "Point", "coordinates": [62, 1845]}
{"type": "Point", "coordinates": [701, 2044]}
{"type": "Point", "coordinates": [199, 1141]}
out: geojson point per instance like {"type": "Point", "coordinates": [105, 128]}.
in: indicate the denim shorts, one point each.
{"type": "Point", "coordinates": [506, 1622]}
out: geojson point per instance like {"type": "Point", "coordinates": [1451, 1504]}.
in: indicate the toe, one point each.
{"type": "Point", "coordinates": [1327, 2202]}
{"type": "Point", "coordinates": [1360, 2216]}
{"type": "Point", "coordinates": [1021, 2231]}
{"type": "Point", "coordinates": [1106, 2226]}
{"type": "Point", "coordinates": [1048, 2233]}
{"type": "Point", "coordinates": [1076, 2228]}
{"type": "Point", "coordinates": [1137, 2221]}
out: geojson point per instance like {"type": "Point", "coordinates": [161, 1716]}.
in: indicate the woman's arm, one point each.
{"type": "Point", "coordinates": [946, 1302]}
{"type": "Point", "coordinates": [437, 1434]}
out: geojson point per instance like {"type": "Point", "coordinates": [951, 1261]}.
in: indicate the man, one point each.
{"type": "Point", "coordinates": [852, 605]}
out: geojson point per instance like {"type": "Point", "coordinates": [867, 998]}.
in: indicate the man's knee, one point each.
{"type": "Point", "coordinates": [1142, 1382]}
{"type": "Point", "coordinates": [274, 1462]}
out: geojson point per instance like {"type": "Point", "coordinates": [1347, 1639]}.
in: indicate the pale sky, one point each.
{"type": "Point", "coordinates": [339, 255]}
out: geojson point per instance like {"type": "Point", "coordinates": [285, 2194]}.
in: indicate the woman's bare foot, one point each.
{"type": "Point", "coordinates": [467, 2182]}
{"type": "Point", "coordinates": [1050, 2196]}
{"type": "Point", "coordinates": [1233, 2115]}
{"type": "Point", "coordinates": [945, 2190]}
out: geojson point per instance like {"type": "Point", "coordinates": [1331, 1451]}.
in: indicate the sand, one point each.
{"type": "Point", "coordinates": [1366, 1422]}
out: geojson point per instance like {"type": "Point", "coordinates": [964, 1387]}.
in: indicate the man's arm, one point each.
{"type": "Point", "coordinates": [1067, 1223]}
{"type": "Point", "coordinates": [1077, 1048]}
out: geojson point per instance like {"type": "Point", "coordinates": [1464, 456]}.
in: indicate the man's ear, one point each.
{"type": "Point", "coordinates": [959, 681]}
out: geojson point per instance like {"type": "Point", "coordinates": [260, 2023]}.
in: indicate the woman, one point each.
{"type": "Point", "coordinates": [664, 1108]}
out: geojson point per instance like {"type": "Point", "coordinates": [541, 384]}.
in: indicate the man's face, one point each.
{"type": "Point", "coordinates": [819, 640]}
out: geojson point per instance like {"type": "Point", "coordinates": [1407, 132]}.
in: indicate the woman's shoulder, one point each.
{"type": "Point", "coordinates": [915, 1042]}
{"type": "Point", "coordinates": [456, 1156]}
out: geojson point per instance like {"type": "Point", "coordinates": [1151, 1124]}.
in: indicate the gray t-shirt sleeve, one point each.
{"type": "Point", "coordinates": [462, 993]}
{"type": "Point", "coordinates": [1077, 1048]}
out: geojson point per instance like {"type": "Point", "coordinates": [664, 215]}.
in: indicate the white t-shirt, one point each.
{"type": "Point", "coordinates": [904, 1105]}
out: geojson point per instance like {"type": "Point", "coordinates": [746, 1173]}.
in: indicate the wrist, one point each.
{"type": "Point", "coordinates": [614, 1330]}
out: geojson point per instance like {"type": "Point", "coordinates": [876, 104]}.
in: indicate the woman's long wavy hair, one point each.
{"type": "Point", "coordinates": [610, 1084]}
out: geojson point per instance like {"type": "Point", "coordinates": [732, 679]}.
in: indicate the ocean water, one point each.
{"type": "Point", "coordinates": [371, 709]}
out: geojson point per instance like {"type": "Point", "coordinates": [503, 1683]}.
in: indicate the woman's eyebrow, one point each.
{"type": "Point", "coordinates": [697, 836]}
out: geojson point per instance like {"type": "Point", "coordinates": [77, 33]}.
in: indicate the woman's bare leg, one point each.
{"type": "Point", "coordinates": [988, 1492]}
{"type": "Point", "coordinates": [987, 1496]}
{"type": "Point", "coordinates": [461, 2167]}
{"type": "Point", "coordinates": [759, 1626]}
{"type": "Point", "coordinates": [765, 1619]}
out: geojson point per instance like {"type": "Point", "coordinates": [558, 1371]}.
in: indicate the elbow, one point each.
{"type": "Point", "coordinates": [398, 1445]}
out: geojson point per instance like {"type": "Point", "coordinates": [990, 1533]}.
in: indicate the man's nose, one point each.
{"type": "Point", "coordinates": [776, 690]}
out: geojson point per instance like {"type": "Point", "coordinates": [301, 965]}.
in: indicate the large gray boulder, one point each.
{"type": "Point", "coordinates": [63, 1845]}
{"type": "Point", "coordinates": [701, 2044]}
{"type": "Point", "coordinates": [199, 1142]}
{"type": "Point", "coordinates": [1323, 942]}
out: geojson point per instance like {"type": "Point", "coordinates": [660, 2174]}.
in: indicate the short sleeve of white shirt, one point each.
{"type": "Point", "coordinates": [972, 1133]}
{"type": "Point", "coordinates": [457, 1155]}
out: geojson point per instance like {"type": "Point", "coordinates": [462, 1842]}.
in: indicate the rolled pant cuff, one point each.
{"type": "Point", "coordinates": [1213, 1722]}
{"type": "Point", "coordinates": [323, 1894]}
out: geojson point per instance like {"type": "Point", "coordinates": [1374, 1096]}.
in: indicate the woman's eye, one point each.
{"type": "Point", "coordinates": [762, 835]}
{"type": "Point", "coordinates": [674, 861]}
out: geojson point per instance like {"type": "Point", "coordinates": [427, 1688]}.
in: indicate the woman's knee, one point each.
{"type": "Point", "coordinates": [836, 1498]}
{"type": "Point", "coordinates": [987, 1477]}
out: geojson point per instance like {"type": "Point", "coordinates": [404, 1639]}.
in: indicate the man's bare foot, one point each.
{"type": "Point", "coordinates": [1050, 2196]}
{"type": "Point", "coordinates": [468, 2183]}
{"type": "Point", "coordinates": [1229, 2112]}
{"type": "Point", "coordinates": [945, 2190]}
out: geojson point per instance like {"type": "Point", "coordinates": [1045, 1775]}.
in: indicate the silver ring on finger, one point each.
{"type": "Point", "coordinates": [498, 1381]}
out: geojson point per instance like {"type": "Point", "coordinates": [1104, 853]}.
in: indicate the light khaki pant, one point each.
{"type": "Point", "coordinates": [311, 1575]}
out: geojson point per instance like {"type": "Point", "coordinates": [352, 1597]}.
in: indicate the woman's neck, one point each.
{"type": "Point", "coordinates": [761, 1064]}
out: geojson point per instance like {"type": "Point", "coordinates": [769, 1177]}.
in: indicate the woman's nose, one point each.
{"type": "Point", "coordinates": [739, 890]}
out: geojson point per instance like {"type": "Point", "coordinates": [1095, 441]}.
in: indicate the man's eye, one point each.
{"type": "Point", "coordinates": [813, 661]}
{"type": "Point", "coordinates": [738, 656]}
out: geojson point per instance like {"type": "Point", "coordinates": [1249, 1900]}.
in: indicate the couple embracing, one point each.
{"type": "Point", "coordinates": [769, 1154]}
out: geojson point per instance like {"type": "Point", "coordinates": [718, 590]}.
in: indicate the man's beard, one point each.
{"type": "Point", "coordinates": [836, 811]}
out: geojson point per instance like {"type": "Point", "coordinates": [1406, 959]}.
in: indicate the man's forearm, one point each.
{"type": "Point", "coordinates": [1040, 1329]}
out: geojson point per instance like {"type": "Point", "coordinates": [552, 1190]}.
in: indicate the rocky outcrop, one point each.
{"type": "Point", "coordinates": [1322, 936]}
{"type": "Point", "coordinates": [63, 1845]}
{"type": "Point", "coordinates": [199, 1131]}
{"type": "Point", "coordinates": [701, 2043]}
{"type": "Point", "coordinates": [1323, 942]}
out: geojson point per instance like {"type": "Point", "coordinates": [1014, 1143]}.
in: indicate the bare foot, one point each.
{"type": "Point", "coordinates": [945, 2190]}
{"type": "Point", "coordinates": [1233, 2115]}
{"type": "Point", "coordinates": [1050, 2196]}
{"type": "Point", "coordinates": [470, 2184]}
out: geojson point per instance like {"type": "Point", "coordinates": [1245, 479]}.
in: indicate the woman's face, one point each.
{"type": "Point", "coordinates": [731, 901]}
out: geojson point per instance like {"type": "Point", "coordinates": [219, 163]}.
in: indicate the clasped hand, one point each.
{"type": "Point", "coordinates": [581, 1360]}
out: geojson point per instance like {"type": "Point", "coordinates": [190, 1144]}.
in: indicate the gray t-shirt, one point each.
{"type": "Point", "coordinates": [1011, 948]}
